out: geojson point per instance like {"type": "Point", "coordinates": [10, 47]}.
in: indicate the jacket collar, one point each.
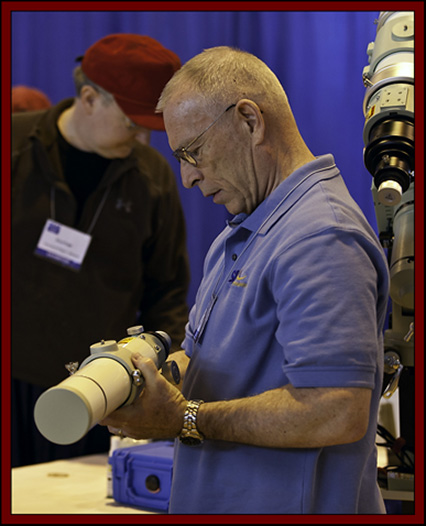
{"type": "Point", "coordinates": [45, 129]}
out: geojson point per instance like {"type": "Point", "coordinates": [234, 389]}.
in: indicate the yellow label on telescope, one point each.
{"type": "Point", "coordinates": [126, 340]}
{"type": "Point", "coordinates": [370, 113]}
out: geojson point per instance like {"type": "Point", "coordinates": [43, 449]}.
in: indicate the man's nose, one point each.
{"type": "Point", "coordinates": [143, 135]}
{"type": "Point", "coordinates": [190, 174]}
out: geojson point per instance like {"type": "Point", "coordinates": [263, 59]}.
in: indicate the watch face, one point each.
{"type": "Point", "coordinates": [190, 440]}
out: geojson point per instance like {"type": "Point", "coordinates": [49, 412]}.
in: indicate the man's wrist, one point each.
{"type": "Point", "coordinates": [190, 435]}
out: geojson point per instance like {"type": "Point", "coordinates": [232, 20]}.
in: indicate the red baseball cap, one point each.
{"type": "Point", "coordinates": [135, 69]}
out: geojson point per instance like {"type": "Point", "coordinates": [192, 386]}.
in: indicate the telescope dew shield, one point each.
{"type": "Point", "coordinates": [105, 381]}
{"type": "Point", "coordinates": [65, 413]}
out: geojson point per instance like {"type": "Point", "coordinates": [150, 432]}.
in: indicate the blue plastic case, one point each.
{"type": "Point", "coordinates": [142, 475]}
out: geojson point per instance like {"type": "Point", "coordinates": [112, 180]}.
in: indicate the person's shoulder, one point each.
{"type": "Point", "coordinates": [24, 123]}
{"type": "Point", "coordinates": [22, 126]}
{"type": "Point", "coordinates": [26, 120]}
{"type": "Point", "coordinates": [23, 117]}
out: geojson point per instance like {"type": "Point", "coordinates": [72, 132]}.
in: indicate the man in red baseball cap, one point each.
{"type": "Point", "coordinates": [98, 228]}
{"type": "Point", "coordinates": [129, 72]}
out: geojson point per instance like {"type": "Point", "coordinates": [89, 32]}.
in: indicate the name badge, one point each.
{"type": "Point", "coordinates": [62, 244]}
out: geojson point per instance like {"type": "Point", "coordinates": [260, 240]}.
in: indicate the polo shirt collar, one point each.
{"type": "Point", "coordinates": [285, 195]}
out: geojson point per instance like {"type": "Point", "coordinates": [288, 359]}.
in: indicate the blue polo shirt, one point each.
{"type": "Point", "coordinates": [296, 292]}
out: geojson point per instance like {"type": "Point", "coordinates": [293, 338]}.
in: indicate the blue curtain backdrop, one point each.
{"type": "Point", "coordinates": [318, 56]}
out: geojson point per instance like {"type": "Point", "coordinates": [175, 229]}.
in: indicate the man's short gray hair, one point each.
{"type": "Point", "coordinates": [223, 75]}
{"type": "Point", "coordinates": [80, 80]}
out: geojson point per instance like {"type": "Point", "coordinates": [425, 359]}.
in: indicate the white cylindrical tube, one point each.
{"type": "Point", "coordinates": [66, 412]}
{"type": "Point", "coordinates": [105, 381]}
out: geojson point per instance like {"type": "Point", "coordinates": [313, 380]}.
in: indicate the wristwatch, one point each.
{"type": "Point", "coordinates": [190, 434]}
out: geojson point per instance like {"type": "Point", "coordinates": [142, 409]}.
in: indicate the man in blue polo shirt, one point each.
{"type": "Point", "coordinates": [283, 350]}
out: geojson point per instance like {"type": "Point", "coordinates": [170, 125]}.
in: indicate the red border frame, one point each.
{"type": "Point", "coordinates": [7, 8]}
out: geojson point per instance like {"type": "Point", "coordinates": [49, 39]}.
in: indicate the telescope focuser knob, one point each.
{"type": "Point", "coordinates": [137, 377]}
{"type": "Point", "coordinates": [135, 330]}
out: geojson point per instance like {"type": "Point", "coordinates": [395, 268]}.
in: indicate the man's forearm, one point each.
{"type": "Point", "coordinates": [289, 417]}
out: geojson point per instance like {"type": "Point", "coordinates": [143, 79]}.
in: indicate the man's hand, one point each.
{"type": "Point", "coordinates": [156, 413]}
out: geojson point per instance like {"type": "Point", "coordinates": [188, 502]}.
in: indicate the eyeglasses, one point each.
{"type": "Point", "coordinates": [183, 154]}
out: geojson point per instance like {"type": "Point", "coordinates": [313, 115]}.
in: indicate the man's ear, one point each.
{"type": "Point", "coordinates": [88, 96]}
{"type": "Point", "coordinates": [252, 117]}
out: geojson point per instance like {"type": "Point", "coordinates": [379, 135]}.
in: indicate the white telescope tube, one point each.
{"type": "Point", "coordinates": [105, 381]}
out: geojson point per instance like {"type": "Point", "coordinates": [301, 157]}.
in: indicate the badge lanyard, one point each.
{"type": "Point", "coordinates": [95, 217]}
{"type": "Point", "coordinates": [65, 245]}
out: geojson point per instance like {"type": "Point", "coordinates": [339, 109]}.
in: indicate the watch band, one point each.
{"type": "Point", "coordinates": [190, 434]}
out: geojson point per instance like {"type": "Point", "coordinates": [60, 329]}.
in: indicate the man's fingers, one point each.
{"type": "Point", "coordinates": [146, 366]}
